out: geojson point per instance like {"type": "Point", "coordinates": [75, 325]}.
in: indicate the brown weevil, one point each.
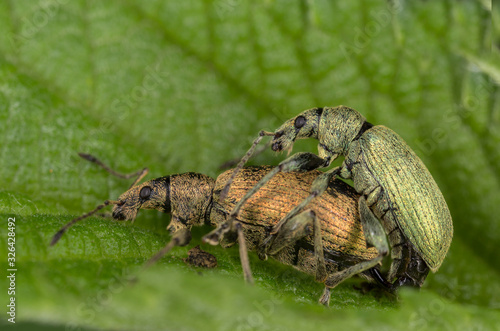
{"type": "Point", "coordinates": [396, 189]}
{"type": "Point", "coordinates": [324, 239]}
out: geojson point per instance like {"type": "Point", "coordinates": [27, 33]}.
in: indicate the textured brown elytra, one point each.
{"type": "Point", "coordinates": [344, 243]}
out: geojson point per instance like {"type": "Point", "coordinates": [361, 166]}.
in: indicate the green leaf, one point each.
{"type": "Point", "coordinates": [185, 86]}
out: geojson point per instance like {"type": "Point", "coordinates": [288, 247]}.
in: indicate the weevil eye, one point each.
{"type": "Point", "coordinates": [145, 192]}
{"type": "Point", "coordinates": [300, 121]}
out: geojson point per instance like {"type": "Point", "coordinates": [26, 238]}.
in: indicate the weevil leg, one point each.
{"type": "Point", "coordinates": [181, 237]}
{"type": "Point", "coordinates": [242, 162]}
{"type": "Point", "coordinates": [245, 263]}
{"type": "Point", "coordinates": [325, 297]}
{"type": "Point", "coordinates": [216, 238]}
{"type": "Point", "coordinates": [140, 173]}
{"type": "Point", "coordinates": [250, 153]}
{"type": "Point", "coordinates": [317, 188]}
{"type": "Point", "coordinates": [295, 229]}
{"type": "Point", "coordinates": [372, 228]}
{"type": "Point", "coordinates": [375, 236]}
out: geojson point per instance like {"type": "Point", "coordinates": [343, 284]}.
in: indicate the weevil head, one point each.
{"type": "Point", "coordinates": [304, 125]}
{"type": "Point", "coordinates": [153, 194]}
{"type": "Point", "coordinates": [186, 196]}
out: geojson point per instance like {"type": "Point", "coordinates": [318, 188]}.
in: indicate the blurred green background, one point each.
{"type": "Point", "coordinates": [184, 86]}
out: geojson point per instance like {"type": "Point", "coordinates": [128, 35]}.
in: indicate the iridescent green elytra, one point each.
{"type": "Point", "coordinates": [402, 190]}
{"type": "Point", "coordinates": [395, 186]}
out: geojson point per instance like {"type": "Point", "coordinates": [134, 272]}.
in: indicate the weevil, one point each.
{"type": "Point", "coordinates": [396, 189]}
{"type": "Point", "coordinates": [324, 239]}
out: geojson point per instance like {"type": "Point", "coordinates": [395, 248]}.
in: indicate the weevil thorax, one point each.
{"type": "Point", "coordinates": [339, 126]}
{"type": "Point", "coordinates": [304, 125]}
{"type": "Point", "coordinates": [153, 194]}
{"type": "Point", "coordinates": [191, 197]}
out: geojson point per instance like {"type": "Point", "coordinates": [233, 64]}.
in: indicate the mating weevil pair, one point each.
{"type": "Point", "coordinates": [398, 195]}
{"type": "Point", "coordinates": [396, 189]}
{"type": "Point", "coordinates": [322, 240]}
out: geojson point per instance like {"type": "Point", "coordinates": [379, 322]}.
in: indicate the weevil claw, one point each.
{"type": "Point", "coordinates": [212, 238]}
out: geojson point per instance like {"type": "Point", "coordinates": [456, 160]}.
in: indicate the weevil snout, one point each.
{"type": "Point", "coordinates": [284, 137]}
{"type": "Point", "coordinates": [126, 210]}
{"type": "Point", "coordinates": [277, 145]}
{"type": "Point", "coordinates": [118, 213]}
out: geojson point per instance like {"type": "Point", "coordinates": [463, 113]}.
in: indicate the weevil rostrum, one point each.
{"type": "Point", "coordinates": [321, 240]}
{"type": "Point", "coordinates": [396, 189]}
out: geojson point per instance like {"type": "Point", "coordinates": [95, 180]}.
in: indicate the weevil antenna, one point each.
{"type": "Point", "coordinates": [60, 233]}
{"type": "Point", "coordinates": [246, 157]}
{"type": "Point", "coordinates": [140, 174]}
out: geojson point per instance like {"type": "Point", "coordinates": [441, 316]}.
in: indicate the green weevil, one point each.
{"type": "Point", "coordinates": [324, 239]}
{"type": "Point", "coordinates": [395, 186]}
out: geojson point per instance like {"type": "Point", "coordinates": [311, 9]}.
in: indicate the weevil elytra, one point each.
{"type": "Point", "coordinates": [396, 188]}
{"type": "Point", "coordinates": [193, 199]}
